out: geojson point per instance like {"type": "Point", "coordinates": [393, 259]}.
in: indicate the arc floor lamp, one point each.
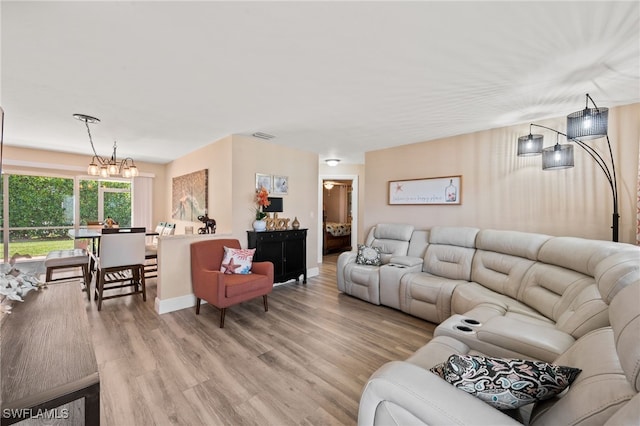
{"type": "Point", "coordinates": [584, 125]}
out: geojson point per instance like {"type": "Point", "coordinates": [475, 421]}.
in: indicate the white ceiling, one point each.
{"type": "Point", "coordinates": [336, 78]}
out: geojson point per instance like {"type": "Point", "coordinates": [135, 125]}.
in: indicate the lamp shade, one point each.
{"type": "Point", "coordinates": [557, 157]}
{"type": "Point", "coordinates": [530, 145]}
{"type": "Point", "coordinates": [275, 205]}
{"type": "Point", "coordinates": [590, 123]}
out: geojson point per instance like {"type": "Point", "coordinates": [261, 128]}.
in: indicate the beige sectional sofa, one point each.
{"type": "Point", "coordinates": [503, 294]}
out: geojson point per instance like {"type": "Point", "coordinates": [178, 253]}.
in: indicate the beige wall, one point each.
{"type": "Point", "coordinates": [216, 157]}
{"type": "Point", "coordinates": [503, 191]}
{"type": "Point", "coordinates": [233, 163]}
{"type": "Point", "coordinates": [251, 156]}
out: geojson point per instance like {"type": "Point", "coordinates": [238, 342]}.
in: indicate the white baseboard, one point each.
{"type": "Point", "coordinates": [175, 303]}
{"type": "Point", "coordinates": [313, 272]}
{"type": "Point", "coordinates": [189, 300]}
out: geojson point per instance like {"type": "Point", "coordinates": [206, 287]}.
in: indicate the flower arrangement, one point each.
{"type": "Point", "coordinates": [262, 200]}
{"type": "Point", "coordinates": [14, 284]}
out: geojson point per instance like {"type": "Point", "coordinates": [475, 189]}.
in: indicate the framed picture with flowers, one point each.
{"type": "Point", "coordinates": [263, 181]}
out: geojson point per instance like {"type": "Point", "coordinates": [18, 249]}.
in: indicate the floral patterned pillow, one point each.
{"type": "Point", "coordinates": [368, 255]}
{"type": "Point", "coordinates": [506, 383]}
{"type": "Point", "coordinates": [237, 261]}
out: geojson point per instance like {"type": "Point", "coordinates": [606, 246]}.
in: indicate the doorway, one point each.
{"type": "Point", "coordinates": [338, 211]}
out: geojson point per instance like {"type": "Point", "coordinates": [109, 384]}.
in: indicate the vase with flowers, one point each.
{"type": "Point", "coordinates": [262, 201]}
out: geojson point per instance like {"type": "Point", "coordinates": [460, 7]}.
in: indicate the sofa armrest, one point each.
{"type": "Point", "coordinates": [344, 259]}
{"type": "Point", "coordinates": [543, 342]}
{"type": "Point", "coordinates": [403, 390]}
{"type": "Point", "coordinates": [406, 260]}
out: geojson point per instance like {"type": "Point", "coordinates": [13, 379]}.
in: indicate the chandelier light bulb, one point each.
{"type": "Point", "coordinates": [93, 169]}
{"type": "Point", "coordinates": [113, 169]}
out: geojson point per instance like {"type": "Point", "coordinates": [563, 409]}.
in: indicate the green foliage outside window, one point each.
{"type": "Point", "coordinates": [39, 201]}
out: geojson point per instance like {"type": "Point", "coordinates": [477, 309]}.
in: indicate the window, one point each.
{"type": "Point", "coordinates": [100, 199]}
{"type": "Point", "coordinates": [38, 211]}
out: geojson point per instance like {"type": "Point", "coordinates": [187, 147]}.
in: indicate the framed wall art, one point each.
{"type": "Point", "coordinates": [263, 181]}
{"type": "Point", "coordinates": [280, 185]}
{"type": "Point", "coordinates": [190, 195]}
{"type": "Point", "coordinates": [438, 190]}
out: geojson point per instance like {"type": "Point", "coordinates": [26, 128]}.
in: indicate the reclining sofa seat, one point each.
{"type": "Point", "coordinates": [392, 272]}
{"type": "Point", "coordinates": [532, 294]}
{"type": "Point", "coordinates": [538, 308]}
{"type": "Point", "coordinates": [363, 281]}
{"type": "Point", "coordinates": [447, 262]}
{"type": "Point", "coordinates": [604, 393]}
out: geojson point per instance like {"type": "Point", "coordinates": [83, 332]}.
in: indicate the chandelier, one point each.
{"type": "Point", "coordinates": [102, 166]}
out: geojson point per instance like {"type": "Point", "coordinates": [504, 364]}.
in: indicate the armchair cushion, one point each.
{"type": "Point", "coordinates": [506, 383]}
{"type": "Point", "coordinates": [237, 261]}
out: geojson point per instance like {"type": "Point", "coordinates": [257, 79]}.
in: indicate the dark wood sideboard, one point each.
{"type": "Point", "coordinates": [287, 250]}
{"type": "Point", "coordinates": [47, 358]}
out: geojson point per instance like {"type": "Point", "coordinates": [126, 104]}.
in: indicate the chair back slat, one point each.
{"type": "Point", "coordinates": [169, 229]}
{"type": "Point", "coordinates": [122, 247]}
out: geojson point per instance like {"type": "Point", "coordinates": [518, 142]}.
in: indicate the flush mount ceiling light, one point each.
{"type": "Point", "coordinates": [332, 162]}
{"type": "Point", "coordinates": [587, 124]}
{"type": "Point", "coordinates": [328, 185]}
{"type": "Point", "coordinates": [102, 166]}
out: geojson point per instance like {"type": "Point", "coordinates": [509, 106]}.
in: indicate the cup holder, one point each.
{"type": "Point", "coordinates": [471, 322]}
{"type": "Point", "coordinates": [464, 328]}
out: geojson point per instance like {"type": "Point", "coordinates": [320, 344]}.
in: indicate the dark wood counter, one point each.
{"type": "Point", "coordinates": [47, 358]}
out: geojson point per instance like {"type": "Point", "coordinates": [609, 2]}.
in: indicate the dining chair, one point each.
{"type": "Point", "coordinates": [121, 263]}
{"type": "Point", "coordinates": [69, 260]}
{"type": "Point", "coordinates": [151, 250]}
{"type": "Point", "coordinates": [169, 229]}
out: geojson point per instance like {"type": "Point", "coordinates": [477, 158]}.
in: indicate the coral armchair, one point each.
{"type": "Point", "coordinates": [224, 290]}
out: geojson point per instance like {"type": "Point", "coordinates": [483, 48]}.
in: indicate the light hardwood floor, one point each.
{"type": "Point", "coordinates": [302, 363]}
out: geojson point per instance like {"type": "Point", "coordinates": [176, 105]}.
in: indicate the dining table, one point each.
{"type": "Point", "coordinates": [94, 235]}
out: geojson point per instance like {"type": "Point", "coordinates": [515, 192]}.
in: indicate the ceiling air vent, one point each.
{"type": "Point", "coordinates": [261, 135]}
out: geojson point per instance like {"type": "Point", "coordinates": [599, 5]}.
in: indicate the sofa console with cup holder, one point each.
{"type": "Point", "coordinates": [504, 294]}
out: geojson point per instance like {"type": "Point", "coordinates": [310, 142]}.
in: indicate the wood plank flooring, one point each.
{"type": "Point", "coordinates": [302, 363]}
